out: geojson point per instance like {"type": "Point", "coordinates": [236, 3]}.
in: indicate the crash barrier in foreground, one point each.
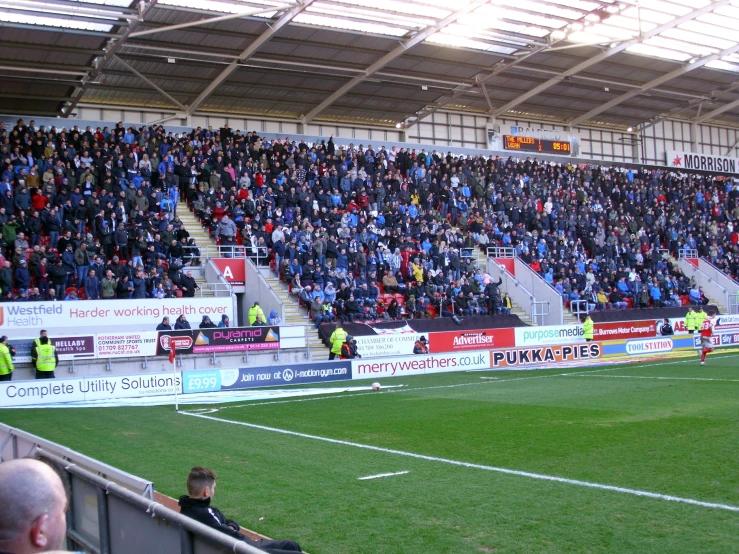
{"type": "Point", "coordinates": [108, 518]}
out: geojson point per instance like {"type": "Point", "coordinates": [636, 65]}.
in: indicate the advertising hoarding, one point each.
{"type": "Point", "coordinates": [52, 391]}
{"type": "Point", "coordinates": [226, 339]}
{"type": "Point", "coordinates": [548, 334]}
{"type": "Point", "coordinates": [624, 330]}
{"type": "Point", "coordinates": [374, 346]}
{"type": "Point", "coordinates": [419, 365]}
{"type": "Point", "coordinates": [26, 318]}
{"type": "Point", "coordinates": [68, 348]}
{"type": "Point", "coordinates": [272, 376]}
{"type": "Point", "coordinates": [125, 345]}
{"type": "Point", "coordinates": [544, 355]}
{"type": "Point", "coordinates": [649, 346]}
{"type": "Point", "coordinates": [477, 339]}
{"type": "Point", "coordinates": [726, 323]}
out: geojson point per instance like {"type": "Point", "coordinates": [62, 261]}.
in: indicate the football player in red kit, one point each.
{"type": "Point", "coordinates": [706, 332]}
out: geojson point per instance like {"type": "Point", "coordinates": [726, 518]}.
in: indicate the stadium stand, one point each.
{"type": "Point", "coordinates": [358, 232]}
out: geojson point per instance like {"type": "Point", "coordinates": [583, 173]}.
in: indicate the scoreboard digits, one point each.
{"type": "Point", "coordinates": [531, 144]}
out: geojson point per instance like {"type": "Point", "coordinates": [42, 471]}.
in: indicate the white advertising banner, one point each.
{"type": "Point", "coordinates": [680, 160]}
{"type": "Point", "coordinates": [52, 391]}
{"type": "Point", "coordinates": [419, 365]}
{"type": "Point", "coordinates": [125, 345]}
{"type": "Point", "coordinates": [678, 325]}
{"type": "Point", "coordinates": [26, 318]}
{"type": "Point", "coordinates": [373, 346]}
{"type": "Point", "coordinates": [548, 334]}
{"type": "Point", "coordinates": [649, 346]}
{"type": "Point", "coordinates": [726, 323]}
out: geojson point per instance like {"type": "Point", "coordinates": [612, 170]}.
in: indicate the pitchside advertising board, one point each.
{"type": "Point", "coordinates": [419, 365]}
{"type": "Point", "coordinates": [646, 347]}
{"type": "Point", "coordinates": [23, 318]}
{"type": "Point", "coordinates": [401, 344]}
{"type": "Point", "coordinates": [52, 391]}
{"type": "Point", "coordinates": [272, 376]}
{"type": "Point", "coordinates": [201, 341]}
{"type": "Point", "coordinates": [726, 323]}
{"type": "Point", "coordinates": [544, 355]}
{"type": "Point", "coordinates": [68, 348]}
{"type": "Point", "coordinates": [396, 344]}
{"type": "Point", "coordinates": [718, 340]}
{"type": "Point", "coordinates": [569, 334]}
{"type": "Point", "coordinates": [478, 339]}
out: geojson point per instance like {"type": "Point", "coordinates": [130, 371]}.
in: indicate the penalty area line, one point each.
{"type": "Point", "coordinates": [538, 476]}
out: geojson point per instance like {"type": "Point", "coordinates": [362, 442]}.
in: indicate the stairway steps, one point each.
{"type": "Point", "coordinates": [516, 309]}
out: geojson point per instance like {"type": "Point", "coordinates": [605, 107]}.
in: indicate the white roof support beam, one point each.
{"type": "Point", "coordinates": [144, 9]}
{"type": "Point", "coordinates": [390, 56]}
{"type": "Point", "coordinates": [502, 66]}
{"type": "Point", "coordinates": [653, 83]}
{"type": "Point", "coordinates": [150, 83]}
{"type": "Point", "coordinates": [718, 111]}
{"type": "Point", "coordinates": [273, 27]}
{"type": "Point", "coordinates": [209, 20]}
{"type": "Point", "coordinates": [607, 54]}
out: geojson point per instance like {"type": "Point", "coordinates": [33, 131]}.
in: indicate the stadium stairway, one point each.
{"type": "Point", "coordinates": [699, 276]}
{"type": "Point", "coordinates": [202, 239]}
{"type": "Point", "coordinates": [481, 259]}
{"type": "Point", "coordinates": [295, 315]}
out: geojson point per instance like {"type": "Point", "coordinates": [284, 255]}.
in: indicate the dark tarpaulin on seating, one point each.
{"type": "Point", "coordinates": [427, 325]}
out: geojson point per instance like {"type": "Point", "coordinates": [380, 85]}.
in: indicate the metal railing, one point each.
{"type": "Point", "coordinates": [517, 291]}
{"type": "Point", "coordinates": [685, 253]}
{"type": "Point", "coordinates": [105, 518]}
{"type": "Point", "coordinates": [501, 252]}
{"type": "Point", "coordinates": [539, 310]}
{"type": "Point", "coordinates": [219, 285]}
{"type": "Point", "coordinates": [579, 308]}
{"type": "Point", "coordinates": [275, 301]}
{"type": "Point", "coordinates": [466, 253]}
{"type": "Point", "coordinates": [715, 291]}
{"type": "Point", "coordinates": [15, 443]}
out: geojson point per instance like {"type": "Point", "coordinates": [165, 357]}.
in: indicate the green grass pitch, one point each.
{"type": "Point", "coordinates": [670, 428]}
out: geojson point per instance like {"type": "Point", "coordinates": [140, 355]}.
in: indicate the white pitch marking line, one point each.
{"type": "Point", "coordinates": [663, 378]}
{"type": "Point", "coordinates": [539, 476]}
{"type": "Point", "coordinates": [380, 475]}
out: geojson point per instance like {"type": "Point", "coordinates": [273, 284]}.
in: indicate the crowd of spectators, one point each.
{"type": "Point", "coordinates": [359, 232]}
{"type": "Point", "coordinates": [91, 214]}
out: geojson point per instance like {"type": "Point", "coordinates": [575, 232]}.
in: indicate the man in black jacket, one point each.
{"type": "Point", "coordinates": [201, 486]}
{"type": "Point", "coordinates": [188, 285]}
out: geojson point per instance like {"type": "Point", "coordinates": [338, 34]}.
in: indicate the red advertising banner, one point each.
{"type": "Point", "coordinates": [615, 330]}
{"type": "Point", "coordinates": [545, 355]}
{"type": "Point", "coordinates": [233, 269]}
{"type": "Point", "coordinates": [474, 339]}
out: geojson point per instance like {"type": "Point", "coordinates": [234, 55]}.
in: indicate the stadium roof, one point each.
{"type": "Point", "coordinates": [603, 63]}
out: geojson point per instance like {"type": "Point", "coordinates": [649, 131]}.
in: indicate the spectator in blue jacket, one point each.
{"type": "Point", "coordinates": [22, 277]}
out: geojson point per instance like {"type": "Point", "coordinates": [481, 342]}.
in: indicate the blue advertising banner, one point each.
{"type": "Point", "coordinates": [723, 339]}
{"type": "Point", "coordinates": [272, 376]}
